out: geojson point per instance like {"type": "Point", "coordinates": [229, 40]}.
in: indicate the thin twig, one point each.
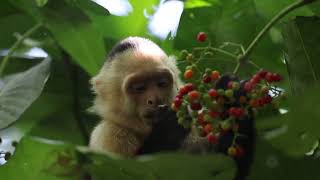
{"type": "Point", "coordinates": [271, 23]}
{"type": "Point", "coordinates": [16, 45]}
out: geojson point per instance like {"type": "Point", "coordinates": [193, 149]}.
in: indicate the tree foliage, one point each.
{"type": "Point", "coordinates": [77, 34]}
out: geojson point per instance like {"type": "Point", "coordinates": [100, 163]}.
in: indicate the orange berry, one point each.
{"type": "Point", "coordinates": [194, 95]}
{"type": "Point", "coordinates": [208, 128]}
{"type": "Point", "coordinates": [215, 75]}
{"type": "Point", "coordinates": [254, 103]}
{"type": "Point", "coordinates": [242, 99]}
{"type": "Point", "coordinates": [188, 74]}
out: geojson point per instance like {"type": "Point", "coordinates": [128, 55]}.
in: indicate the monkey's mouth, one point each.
{"type": "Point", "coordinates": [153, 116]}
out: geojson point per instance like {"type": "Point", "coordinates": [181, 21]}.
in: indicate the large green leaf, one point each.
{"type": "Point", "coordinates": [301, 39]}
{"type": "Point", "coordinates": [269, 8]}
{"type": "Point", "coordinates": [297, 131]}
{"type": "Point", "coordinates": [72, 29]}
{"type": "Point", "coordinates": [20, 90]}
{"type": "Point", "coordinates": [270, 164]}
{"type": "Point", "coordinates": [44, 159]}
{"type": "Point", "coordinates": [9, 29]}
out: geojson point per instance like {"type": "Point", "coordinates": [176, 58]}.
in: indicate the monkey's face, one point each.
{"type": "Point", "coordinates": [149, 92]}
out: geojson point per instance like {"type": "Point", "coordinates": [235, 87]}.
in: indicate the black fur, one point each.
{"type": "Point", "coordinates": [121, 47]}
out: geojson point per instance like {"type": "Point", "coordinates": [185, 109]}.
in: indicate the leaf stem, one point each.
{"type": "Point", "coordinates": [16, 45]}
{"type": "Point", "coordinates": [271, 23]}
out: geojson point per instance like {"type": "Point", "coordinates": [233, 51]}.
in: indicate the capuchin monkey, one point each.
{"type": "Point", "coordinates": [133, 91]}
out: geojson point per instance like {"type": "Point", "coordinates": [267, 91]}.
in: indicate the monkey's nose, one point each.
{"type": "Point", "coordinates": [150, 102]}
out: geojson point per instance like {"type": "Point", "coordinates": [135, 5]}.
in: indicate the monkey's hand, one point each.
{"type": "Point", "coordinates": [166, 134]}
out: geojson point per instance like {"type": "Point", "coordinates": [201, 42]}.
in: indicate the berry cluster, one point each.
{"type": "Point", "coordinates": [216, 105]}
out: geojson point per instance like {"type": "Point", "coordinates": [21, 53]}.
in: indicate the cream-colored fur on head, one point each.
{"type": "Point", "coordinates": [121, 130]}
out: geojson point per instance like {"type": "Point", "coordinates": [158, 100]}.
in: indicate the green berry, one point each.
{"type": "Point", "coordinates": [208, 71]}
{"type": "Point", "coordinates": [225, 125]}
{"type": "Point", "coordinates": [229, 93]}
{"type": "Point", "coordinates": [194, 114]}
{"type": "Point", "coordinates": [207, 118]}
{"type": "Point", "coordinates": [189, 57]}
{"type": "Point", "coordinates": [183, 54]}
{"type": "Point", "coordinates": [181, 120]}
{"type": "Point", "coordinates": [189, 68]}
{"type": "Point", "coordinates": [180, 114]}
{"type": "Point", "coordinates": [235, 85]}
{"type": "Point", "coordinates": [220, 92]}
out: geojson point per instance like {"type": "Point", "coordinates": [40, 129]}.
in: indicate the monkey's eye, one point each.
{"type": "Point", "coordinates": [138, 87]}
{"type": "Point", "coordinates": [163, 83]}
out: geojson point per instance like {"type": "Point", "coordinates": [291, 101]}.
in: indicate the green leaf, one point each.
{"type": "Point", "coordinates": [20, 91]}
{"type": "Point", "coordinates": [72, 29]}
{"type": "Point", "coordinates": [296, 132]}
{"type": "Point", "coordinates": [38, 158]}
{"type": "Point", "coordinates": [269, 8]}
{"type": "Point", "coordinates": [198, 3]}
{"type": "Point", "coordinates": [8, 28]}
{"type": "Point", "coordinates": [301, 37]}
{"type": "Point", "coordinates": [41, 3]}
{"type": "Point", "coordinates": [270, 163]}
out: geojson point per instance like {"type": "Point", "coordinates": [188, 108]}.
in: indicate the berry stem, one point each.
{"type": "Point", "coordinates": [233, 44]}
{"type": "Point", "coordinates": [16, 45]}
{"type": "Point", "coordinates": [217, 50]}
{"type": "Point", "coordinates": [271, 23]}
{"type": "Point", "coordinates": [236, 68]}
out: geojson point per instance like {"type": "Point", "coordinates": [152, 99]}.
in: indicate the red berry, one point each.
{"type": "Point", "coordinates": [239, 113]}
{"type": "Point", "coordinates": [215, 75]}
{"type": "Point", "coordinates": [267, 99]}
{"type": "Point", "coordinates": [261, 102]}
{"type": "Point", "coordinates": [213, 93]}
{"type": "Point", "coordinates": [206, 78]}
{"type": "Point", "coordinates": [230, 84]}
{"type": "Point", "coordinates": [208, 128]}
{"type": "Point", "coordinates": [201, 119]}
{"type": "Point", "coordinates": [212, 138]}
{"type": "Point", "coordinates": [269, 77]}
{"type": "Point", "coordinates": [248, 87]}
{"type": "Point", "coordinates": [194, 95]}
{"type": "Point", "coordinates": [276, 77]}
{"type": "Point", "coordinates": [180, 96]}
{"type": "Point", "coordinates": [239, 151]}
{"type": "Point", "coordinates": [177, 102]}
{"type": "Point", "coordinates": [183, 91]}
{"type": "Point", "coordinates": [236, 112]}
{"type": "Point", "coordinates": [262, 73]}
{"type": "Point", "coordinates": [189, 87]}
{"type": "Point", "coordinates": [201, 37]}
{"type": "Point", "coordinates": [195, 106]}
{"type": "Point", "coordinates": [188, 74]}
{"type": "Point", "coordinates": [213, 114]}
{"type": "Point", "coordinates": [256, 79]}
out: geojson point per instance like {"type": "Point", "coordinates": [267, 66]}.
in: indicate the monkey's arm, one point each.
{"type": "Point", "coordinates": [108, 137]}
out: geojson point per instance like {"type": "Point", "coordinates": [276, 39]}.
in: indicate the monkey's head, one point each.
{"type": "Point", "coordinates": [137, 79]}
